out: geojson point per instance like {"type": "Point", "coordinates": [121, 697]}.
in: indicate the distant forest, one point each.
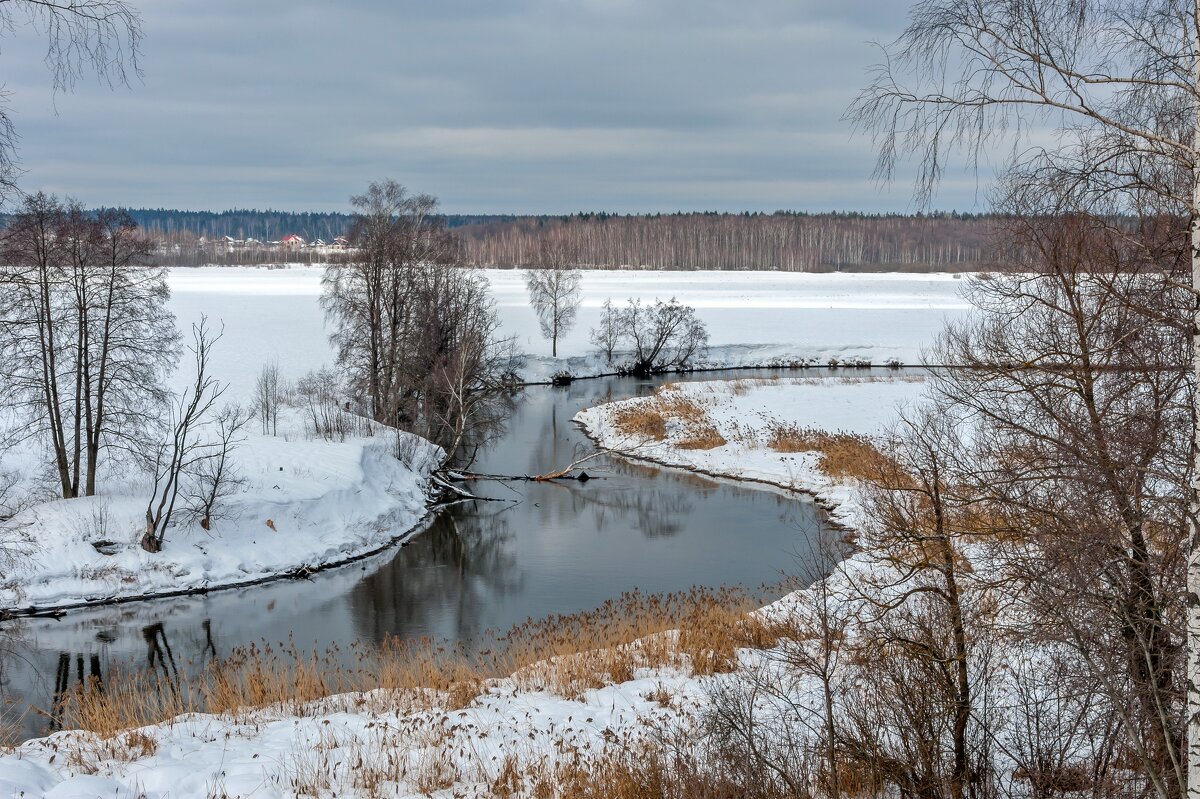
{"type": "Point", "coordinates": [791, 242]}
{"type": "Point", "coordinates": [785, 241]}
{"type": "Point", "coordinates": [172, 225]}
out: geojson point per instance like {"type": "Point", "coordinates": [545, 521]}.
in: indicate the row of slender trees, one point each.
{"type": "Point", "coordinates": [788, 242]}
{"type": "Point", "coordinates": [87, 340]}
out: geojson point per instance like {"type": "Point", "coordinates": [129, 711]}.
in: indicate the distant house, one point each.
{"type": "Point", "coordinates": [341, 242]}
{"type": "Point", "coordinates": [292, 240]}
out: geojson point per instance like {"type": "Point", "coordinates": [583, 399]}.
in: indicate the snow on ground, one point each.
{"type": "Point", "coordinates": [742, 412]}
{"type": "Point", "coordinates": [304, 503]}
{"type": "Point", "coordinates": [338, 747]}
{"type": "Point", "coordinates": [753, 318]}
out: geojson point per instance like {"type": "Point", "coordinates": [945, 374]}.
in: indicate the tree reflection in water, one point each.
{"type": "Point", "coordinates": [438, 582]}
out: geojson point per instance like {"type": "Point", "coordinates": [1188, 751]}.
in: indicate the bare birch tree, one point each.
{"type": "Point", "coordinates": [554, 287]}
{"type": "Point", "coordinates": [270, 393]}
{"type": "Point", "coordinates": [1118, 82]}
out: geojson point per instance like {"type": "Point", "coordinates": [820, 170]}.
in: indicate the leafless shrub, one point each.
{"type": "Point", "coordinates": [214, 478]}
{"type": "Point", "coordinates": [319, 395]}
{"type": "Point", "coordinates": [662, 336]}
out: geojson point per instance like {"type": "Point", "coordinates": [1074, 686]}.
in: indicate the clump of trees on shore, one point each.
{"type": "Point", "coordinates": [415, 329]}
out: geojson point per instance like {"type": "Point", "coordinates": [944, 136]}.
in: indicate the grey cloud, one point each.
{"type": "Point", "coordinates": [519, 106]}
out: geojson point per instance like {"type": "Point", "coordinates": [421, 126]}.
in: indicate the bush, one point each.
{"type": "Point", "coordinates": [662, 336]}
{"type": "Point", "coordinates": [318, 393]}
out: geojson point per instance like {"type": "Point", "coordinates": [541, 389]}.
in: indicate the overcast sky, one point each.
{"type": "Point", "coordinates": [495, 106]}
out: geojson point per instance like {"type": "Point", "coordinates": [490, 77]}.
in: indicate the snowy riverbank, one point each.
{"type": "Point", "coordinates": [302, 504]}
{"type": "Point", "coordinates": [744, 413]}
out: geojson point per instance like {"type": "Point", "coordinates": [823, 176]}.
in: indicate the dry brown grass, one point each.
{"type": "Point", "coordinates": [642, 770]}
{"type": "Point", "coordinates": [842, 455]}
{"type": "Point", "coordinates": [744, 385]}
{"type": "Point", "coordinates": [564, 654]}
{"type": "Point", "coordinates": [650, 417]}
{"type": "Point", "coordinates": [706, 437]}
{"type": "Point", "coordinates": [641, 420]}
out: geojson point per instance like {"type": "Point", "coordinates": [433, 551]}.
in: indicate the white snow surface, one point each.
{"type": "Point", "coordinates": [753, 318]}
{"type": "Point", "coordinates": [304, 503]}
{"type": "Point", "coordinates": [742, 412]}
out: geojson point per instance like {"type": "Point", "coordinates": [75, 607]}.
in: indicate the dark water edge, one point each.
{"type": "Point", "coordinates": [476, 566]}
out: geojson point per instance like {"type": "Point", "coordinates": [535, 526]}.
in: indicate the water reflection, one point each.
{"type": "Point", "coordinates": [541, 548]}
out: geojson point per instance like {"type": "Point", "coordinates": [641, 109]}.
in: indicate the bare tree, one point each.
{"type": "Point", "coordinates": [174, 459]}
{"type": "Point", "coordinates": [664, 335]}
{"type": "Point", "coordinates": [88, 338]}
{"type": "Point", "coordinates": [918, 608]}
{"type": "Point", "coordinates": [415, 330]}
{"type": "Point", "coordinates": [1079, 379]}
{"type": "Point", "coordinates": [607, 335]}
{"type": "Point", "coordinates": [270, 393]}
{"type": "Point", "coordinates": [1120, 82]}
{"type": "Point", "coordinates": [98, 36]}
{"type": "Point", "coordinates": [554, 287]}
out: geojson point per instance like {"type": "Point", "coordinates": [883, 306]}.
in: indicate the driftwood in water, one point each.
{"type": "Point", "coordinates": [559, 474]}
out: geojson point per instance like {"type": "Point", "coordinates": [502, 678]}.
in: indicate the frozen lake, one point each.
{"type": "Point", "coordinates": [752, 317]}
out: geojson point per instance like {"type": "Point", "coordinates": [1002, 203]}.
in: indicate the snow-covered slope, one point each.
{"type": "Point", "coordinates": [304, 504]}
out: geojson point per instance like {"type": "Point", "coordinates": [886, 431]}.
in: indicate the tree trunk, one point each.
{"type": "Point", "coordinates": [1193, 532]}
{"type": "Point", "coordinates": [1193, 543]}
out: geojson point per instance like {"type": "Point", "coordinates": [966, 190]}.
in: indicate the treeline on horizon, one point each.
{"type": "Point", "coordinates": [785, 241]}
{"type": "Point", "coordinates": [782, 240]}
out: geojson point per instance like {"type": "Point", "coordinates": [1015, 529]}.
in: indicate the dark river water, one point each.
{"type": "Point", "coordinates": [547, 548]}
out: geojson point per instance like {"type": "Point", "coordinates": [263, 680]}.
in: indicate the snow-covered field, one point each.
{"type": "Point", "coordinates": [753, 318]}
{"type": "Point", "coordinates": [304, 503]}
{"type": "Point", "coordinates": [742, 411]}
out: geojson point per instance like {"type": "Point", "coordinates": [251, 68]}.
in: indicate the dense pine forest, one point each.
{"type": "Point", "coordinates": [787, 241]}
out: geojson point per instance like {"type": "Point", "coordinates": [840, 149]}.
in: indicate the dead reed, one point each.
{"type": "Point", "coordinates": [666, 411]}
{"type": "Point", "coordinates": [841, 455]}
{"type": "Point", "coordinates": [569, 654]}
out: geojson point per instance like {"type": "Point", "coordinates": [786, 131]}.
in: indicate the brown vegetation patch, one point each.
{"type": "Point", "coordinates": [650, 416]}
{"type": "Point", "coordinates": [641, 420]}
{"type": "Point", "coordinates": [842, 455]}
{"type": "Point", "coordinates": [564, 654]}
